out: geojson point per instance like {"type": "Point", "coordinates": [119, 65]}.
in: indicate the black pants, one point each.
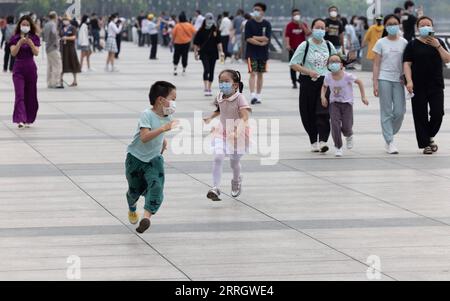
{"type": "Point", "coordinates": [8, 59]}
{"type": "Point", "coordinates": [209, 65]}
{"type": "Point", "coordinates": [315, 118]}
{"type": "Point", "coordinates": [181, 51]}
{"type": "Point", "coordinates": [119, 42]}
{"type": "Point", "coordinates": [96, 38]}
{"type": "Point", "coordinates": [154, 39]}
{"type": "Point", "coordinates": [225, 41]}
{"type": "Point", "coordinates": [294, 77]}
{"type": "Point", "coordinates": [141, 38]}
{"type": "Point", "coordinates": [427, 123]}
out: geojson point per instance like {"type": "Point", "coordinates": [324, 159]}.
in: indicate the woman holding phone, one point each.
{"type": "Point", "coordinates": [423, 64]}
{"type": "Point", "coordinates": [24, 47]}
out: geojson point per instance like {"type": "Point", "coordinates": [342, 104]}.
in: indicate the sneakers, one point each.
{"type": "Point", "coordinates": [144, 225]}
{"type": "Point", "coordinates": [21, 125]}
{"type": "Point", "coordinates": [208, 93]}
{"type": "Point", "coordinates": [339, 152]}
{"type": "Point", "coordinates": [315, 148]}
{"type": "Point", "coordinates": [391, 149]}
{"type": "Point", "coordinates": [214, 195]}
{"type": "Point", "coordinates": [256, 101]}
{"type": "Point", "coordinates": [323, 147]}
{"type": "Point", "coordinates": [236, 188]}
{"type": "Point", "coordinates": [349, 142]}
{"type": "Point", "coordinates": [133, 217]}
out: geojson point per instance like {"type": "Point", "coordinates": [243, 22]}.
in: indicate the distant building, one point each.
{"type": "Point", "coordinates": [8, 7]}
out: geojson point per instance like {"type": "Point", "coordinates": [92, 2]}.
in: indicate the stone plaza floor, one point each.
{"type": "Point", "coordinates": [308, 217]}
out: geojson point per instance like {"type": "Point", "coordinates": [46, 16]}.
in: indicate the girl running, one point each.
{"type": "Point", "coordinates": [341, 102]}
{"type": "Point", "coordinates": [231, 137]}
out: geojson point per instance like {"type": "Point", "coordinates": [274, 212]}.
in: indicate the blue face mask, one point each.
{"type": "Point", "coordinates": [393, 30]}
{"type": "Point", "coordinates": [226, 88]}
{"type": "Point", "coordinates": [256, 14]}
{"type": "Point", "coordinates": [334, 67]}
{"type": "Point", "coordinates": [318, 34]}
{"type": "Point", "coordinates": [425, 31]}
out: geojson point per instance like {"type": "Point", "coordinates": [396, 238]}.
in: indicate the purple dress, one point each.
{"type": "Point", "coordinates": [25, 82]}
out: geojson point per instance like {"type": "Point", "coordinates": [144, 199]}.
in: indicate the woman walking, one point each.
{"type": "Point", "coordinates": [69, 55]}
{"type": "Point", "coordinates": [111, 42]}
{"type": "Point", "coordinates": [182, 36]}
{"type": "Point", "coordinates": [311, 60]}
{"type": "Point", "coordinates": [388, 81]}
{"type": "Point", "coordinates": [24, 47]}
{"type": "Point", "coordinates": [83, 40]}
{"type": "Point", "coordinates": [423, 63]}
{"type": "Point", "coordinates": [207, 47]}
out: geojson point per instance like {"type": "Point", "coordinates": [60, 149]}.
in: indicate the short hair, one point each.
{"type": "Point", "coordinates": [424, 18]}
{"type": "Point", "coordinates": [52, 15]}
{"type": "Point", "coordinates": [198, 11]}
{"type": "Point", "coordinates": [295, 10]}
{"type": "Point", "coordinates": [226, 14]}
{"type": "Point", "coordinates": [261, 5]}
{"type": "Point", "coordinates": [397, 10]}
{"type": "Point", "coordinates": [182, 17]}
{"type": "Point", "coordinates": [317, 20]}
{"type": "Point", "coordinates": [160, 89]}
{"type": "Point", "coordinates": [408, 4]}
{"type": "Point", "coordinates": [333, 6]}
{"type": "Point", "coordinates": [10, 20]}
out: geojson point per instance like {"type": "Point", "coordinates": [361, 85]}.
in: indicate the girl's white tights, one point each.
{"type": "Point", "coordinates": [235, 162]}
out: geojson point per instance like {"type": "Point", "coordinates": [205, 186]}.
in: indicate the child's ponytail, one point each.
{"type": "Point", "coordinates": [241, 84]}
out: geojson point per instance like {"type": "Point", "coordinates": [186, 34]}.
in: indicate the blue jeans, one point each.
{"type": "Point", "coordinates": [392, 108]}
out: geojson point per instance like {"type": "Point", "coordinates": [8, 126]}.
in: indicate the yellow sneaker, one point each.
{"type": "Point", "coordinates": [133, 217]}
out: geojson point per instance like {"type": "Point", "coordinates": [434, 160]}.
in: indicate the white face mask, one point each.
{"type": "Point", "coordinates": [25, 29]}
{"type": "Point", "coordinates": [171, 109]}
{"type": "Point", "coordinates": [297, 18]}
{"type": "Point", "coordinates": [333, 14]}
{"type": "Point", "coordinates": [65, 22]}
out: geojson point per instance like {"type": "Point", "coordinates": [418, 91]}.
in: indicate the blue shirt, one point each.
{"type": "Point", "coordinates": [150, 150]}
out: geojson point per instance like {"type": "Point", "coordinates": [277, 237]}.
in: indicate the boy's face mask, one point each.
{"type": "Point", "coordinates": [171, 109]}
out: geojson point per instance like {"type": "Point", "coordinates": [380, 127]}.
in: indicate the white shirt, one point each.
{"type": "Point", "coordinates": [145, 24]}
{"type": "Point", "coordinates": [113, 30]}
{"type": "Point", "coordinates": [225, 27]}
{"type": "Point", "coordinates": [391, 52]}
{"type": "Point", "coordinates": [152, 28]}
{"type": "Point", "coordinates": [199, 22]}
{"type": "Point", "coordinates": [83, 35]}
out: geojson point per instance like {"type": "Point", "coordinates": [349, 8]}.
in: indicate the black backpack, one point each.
{"type": "Point", "coordinates": [307, 49]}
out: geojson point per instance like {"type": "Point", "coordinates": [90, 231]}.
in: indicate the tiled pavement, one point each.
{"type": "Point", "coordinates": [308, 217]}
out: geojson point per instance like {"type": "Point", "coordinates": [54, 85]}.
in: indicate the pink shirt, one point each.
{"type": "Point", "coordinates": [341, 90]}
{"type": "Point", "coordinates": [229, 111]}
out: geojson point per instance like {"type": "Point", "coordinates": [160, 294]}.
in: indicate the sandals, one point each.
{"type": "Point", "coordinates": [428, 150]}
{"type": "Point", "coordinates": [434, 147]}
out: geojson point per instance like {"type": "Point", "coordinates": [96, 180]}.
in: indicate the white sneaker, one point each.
{"type": "Point", "coordinates": [391, 149]}
{"type": "Point", "coordinates": [323, 147]}
{"type": "Point", "coordinates": [315, 148]}
{"type": "Point", "coordinates": [349, 142]}
{"type": "Point", "coordinates": [21, 125]}
{"type": "Point", "coordinates": [339, 152]}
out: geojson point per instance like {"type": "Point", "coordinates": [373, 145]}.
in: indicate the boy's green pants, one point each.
{"type": "Point", "coordinates": [145, 179]}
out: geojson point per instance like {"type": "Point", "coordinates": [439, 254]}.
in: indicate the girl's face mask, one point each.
{"type": "Point", "coordinates": [227, 88]}
{"type": "Point", "coordinates": [25, 29]}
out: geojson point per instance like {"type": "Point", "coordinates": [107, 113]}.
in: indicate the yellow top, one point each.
{"type": "Point", "coordinates": [374, 33]}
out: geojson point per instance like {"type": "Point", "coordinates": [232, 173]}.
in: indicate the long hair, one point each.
{"type": "Point", "coordinates": [32, 25]}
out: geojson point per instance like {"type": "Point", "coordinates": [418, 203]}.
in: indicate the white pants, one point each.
{"type": "Point", "coordinates": [54, 69]}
